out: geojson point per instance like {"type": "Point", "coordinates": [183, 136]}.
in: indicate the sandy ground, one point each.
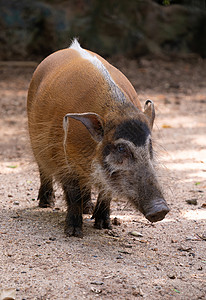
{"type": "Point", "coordinates": [166, 260]}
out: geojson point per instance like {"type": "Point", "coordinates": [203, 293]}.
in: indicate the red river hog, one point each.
{"type": "Point", "coordinates": [87, 129]}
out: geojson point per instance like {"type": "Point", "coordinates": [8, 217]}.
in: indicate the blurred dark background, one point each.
{"type": "Point", "coordinates": [30, 30]}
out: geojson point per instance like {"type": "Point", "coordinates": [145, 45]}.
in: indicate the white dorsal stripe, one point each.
{"type": "Point", "coordinates": [117, 93]}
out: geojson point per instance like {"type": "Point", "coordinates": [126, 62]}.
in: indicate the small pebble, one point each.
{"type": "Point", "coordinates": [171, 276]}
{"type": "Point", "coordinates": [192, 254]}
{"type": "Point", "coordinates": [96, 291]}
{"type": "Point", "coordinates": [111, 233]}
{"type": "Point", "coordinates": [138, 292]}
{"type": "Point", "coordinates": [173, 241]}
{"type": "Point", "coordinates": [15, 217]}
{"type": "Point", "coordinates": [192, 201]}
{"type": "Point", "coordinates": [116, 221]}
{"type": "Point", "coordinates": [154, 249]}
{"type": "Point", "coordinates": [181, 248]}
{"type": "Point", "coordinates": [203, 236]}
{"type": "Point", "coordinates": [10, 196]}
{"type": "Point", "coordinates": [97, 282]}
{"type": "Point", "coordinates": [192, 238]}
{"type": "Point", "coordinates": [135, 233]}
{"type": "Point", "coordinates": [15, 203]}
{"type": "Point", "coordinates": [158, 287]}
{"type": "Point", "coordinates": [124, 252]}
{"type": "Point", "coordinates": [143, 241]}
{"type": "Point", "coordinates": [127, 246]}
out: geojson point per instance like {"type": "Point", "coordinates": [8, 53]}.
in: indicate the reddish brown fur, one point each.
{"type": "Point", "coordinates": [66, 83]}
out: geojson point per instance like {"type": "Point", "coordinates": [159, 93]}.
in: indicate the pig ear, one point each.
{"type": "Point", "coordinates": [149, 111]}
{"type": "Point", "coordinates": [93, 122]}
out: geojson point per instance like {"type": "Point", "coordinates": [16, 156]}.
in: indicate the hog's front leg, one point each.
{"type": "Point", "coordinates": [102, 212]}
{"type": "Point", "coordinates": [88, 206]}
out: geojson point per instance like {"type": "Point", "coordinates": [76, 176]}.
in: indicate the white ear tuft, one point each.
{"type": "Point", "coordinates": [149, 111]}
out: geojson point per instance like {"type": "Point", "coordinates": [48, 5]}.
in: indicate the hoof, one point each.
{"type": "Point", "coordinates": [88, 208]}
{"type": "Point", "coordinates": [73, 231]}
{"type": "Point", "coordinates": [46, 203]}
{"type": "Point", "coordinates": [46, 199]}
{"type": "Point", "coordinates": [102, 224]}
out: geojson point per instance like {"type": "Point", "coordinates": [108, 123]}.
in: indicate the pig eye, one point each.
{"type": "Point", "coordinates": [121, 148]}
{"type": "Point", "coordinates": [124, 151]}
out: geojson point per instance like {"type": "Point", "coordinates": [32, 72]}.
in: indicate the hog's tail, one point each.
{"type": "Point", "coordinates": [65, 127]}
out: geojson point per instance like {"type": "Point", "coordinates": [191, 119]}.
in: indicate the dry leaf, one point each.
{"type": "Point", "coordinates": [166, 126]}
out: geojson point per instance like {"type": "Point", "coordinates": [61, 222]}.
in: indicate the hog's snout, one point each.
{"type": "Point", "coordinates": [157, 211]}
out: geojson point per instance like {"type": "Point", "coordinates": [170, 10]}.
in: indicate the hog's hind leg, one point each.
{"type": "Point", "coordinates": [46, 194]}
{"type": "Point", "coordinates": [102, 212]}
{"type": "Point", "coordinates": [73, 222]}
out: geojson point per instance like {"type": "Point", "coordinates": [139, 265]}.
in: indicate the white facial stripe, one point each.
{"type": "Point", "coordinates": [117, 93]}
{"type": "Point", "coordinates": [126, 142]}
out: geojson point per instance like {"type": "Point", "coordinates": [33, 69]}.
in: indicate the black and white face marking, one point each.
{"type": "Point", "coordinates": [132, 142]}
{"type": "Point", "coordinates": [125, 158]}
{"type": "Point", "coordinates": [130, 150]}
{"type": "Point", "coordinates": [126, 169]}
{"type": "Point", "coordinates": [134, 131]}
{"type": "Point", "coordinates": [118, 155]}
{"type": "Point", "coordinates": [123, 155]}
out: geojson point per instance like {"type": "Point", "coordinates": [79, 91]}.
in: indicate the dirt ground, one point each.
{"type": "Point", "coordinates": [166, 260]}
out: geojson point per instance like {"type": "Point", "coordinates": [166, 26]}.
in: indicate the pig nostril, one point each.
{"type": "Point", "coordinates": [157, 216]}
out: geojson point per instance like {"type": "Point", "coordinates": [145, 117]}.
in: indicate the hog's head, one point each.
{"type": "Point", "coordinates": [124, 165]}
